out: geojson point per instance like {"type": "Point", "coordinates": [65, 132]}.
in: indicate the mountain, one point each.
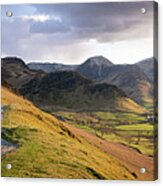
{"type": "Point", "coordinates": [95, 67]}
{"type": "Point", "coordinates": [65, 90]}
{"type": "Point", "coordinates": [132, 80]}
{"type": "Point", "coordinates": [149, 66]}
{"type": "Point", "coordinates": [51, 67]}
{"type": "Point", "coordinates": [69, 90]}
{"type": "Point", "coordinates": [135, 80]}
{"type": "Point", "coordinates": [47, 148]}
{"type": "Point", "coordinates": [15, 72]}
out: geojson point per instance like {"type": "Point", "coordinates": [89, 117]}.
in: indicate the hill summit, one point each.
{"type": "Point", "coordinates": [94, 67]}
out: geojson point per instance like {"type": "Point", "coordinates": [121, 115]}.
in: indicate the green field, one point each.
{"type": "Point", "coordinates": [131, 129]}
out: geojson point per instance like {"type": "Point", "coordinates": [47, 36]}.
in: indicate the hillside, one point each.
{"type": "Point", "coordinates": [51, 67]}
{"type": "Point", "coordinates": [135, 80]}
{"type": "Point", "coordinates": [65, 90]}
{"type": "Point", "coordinates": [95, 67]}
{"type": "Point", "coordinates": [47, 148]}
{"type": "Point", "coordinates": [132, 80]}
{"type": "Point", "coordinates": [16, 73]}
{"type": "Point", "coordinates": [97, 63]}
{"type": "Point", "coordinates": [149, 66]}
{"type": "Point", "coordinates": [69, 90]}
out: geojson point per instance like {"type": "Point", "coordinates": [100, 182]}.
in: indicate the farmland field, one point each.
{"type": "Point", "coordinates": [133, 130]}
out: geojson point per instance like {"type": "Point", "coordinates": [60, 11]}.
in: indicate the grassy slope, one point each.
{"type": "Point", "coordinates": [48, 149]}
{"type": "Point", "coordinates": [128, 105]}
{"type": "Point", "coordinates": [131, 129]}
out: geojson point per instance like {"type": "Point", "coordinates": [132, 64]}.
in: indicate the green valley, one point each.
{"type": "Point", "coordinates": [132, 129]}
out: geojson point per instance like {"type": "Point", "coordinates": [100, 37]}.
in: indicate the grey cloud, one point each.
{"type": "Point", "coordinates": [95, 9]}
{"type": "Point", "coordinates": [91, 19]}
{"type": "Point", "coordinates": [49, 26]}
{"type": "Point", "coordinates": [80, 22]}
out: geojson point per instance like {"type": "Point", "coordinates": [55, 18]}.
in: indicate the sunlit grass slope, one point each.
{"type": "Point", "coordinates": [128, 105]}
{"type": "Point", "coordinates": [131, 129]}
{"type": "Point", "coordinates": [49, 149]}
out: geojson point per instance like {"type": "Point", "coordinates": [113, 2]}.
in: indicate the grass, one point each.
{"type": "Point", "coordinates": [120, 116]}
{"type": "Point", "coordinates": [137, 127]}
{"type": "Point", "coordinates": [47, 149]}
{"type": "Point", "coordinates": [131, 129]}
{"type": "Point", "coordinates": [128, 104]}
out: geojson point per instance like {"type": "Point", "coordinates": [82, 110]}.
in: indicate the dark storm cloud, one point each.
{"type": "Point", "coordinates": [94, 9]}
{"type": "Point", "coordinates": [91, 19]}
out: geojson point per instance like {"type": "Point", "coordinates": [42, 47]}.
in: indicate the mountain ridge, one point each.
{"type": "Point", "coordinates": [65, 89]}
{"type": "Point", "coordinates": [136, 80]}
{"type": "Point", "coordinates": [51, 67]}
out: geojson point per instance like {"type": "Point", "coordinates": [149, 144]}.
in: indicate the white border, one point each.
{"type": "Point", "coordinates": [61, 1]}
{"type": "Point", "coordinates": [56, 182]}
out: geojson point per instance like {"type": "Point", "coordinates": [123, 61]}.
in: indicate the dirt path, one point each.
{"type": "Point", "coordinates": [132, 159]}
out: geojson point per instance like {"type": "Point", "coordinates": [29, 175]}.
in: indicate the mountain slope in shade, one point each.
{"type": "Point", "coordinates": [16, 73]}
{"type": "Point", "coordinates": [66, 90]}
{"type": "Point", "coordinates": [131, 79]}
{"type": "Point", "coordinates": [149, 66]}
{"type": "Point", "coordinates": [95, 67]}
{"type": "Point", "coordinates": [51, 67]}
{"type": "Point", "coordinates": [135, 80]}
{"type": "Point", "coordinates": [49, 149]}
{"type": "Point", "coordinates": [69, 90]}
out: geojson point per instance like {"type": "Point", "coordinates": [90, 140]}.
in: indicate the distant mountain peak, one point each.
{"type": "Point", "coordinates": [98, 60]}
{"type": "Point", "coordinates": [94, 67]}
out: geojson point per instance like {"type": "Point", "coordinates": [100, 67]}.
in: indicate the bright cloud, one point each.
{"type": "Point", "coordinates": [41, 18]}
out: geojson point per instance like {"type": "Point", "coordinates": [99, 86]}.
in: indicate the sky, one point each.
{"type": "Point", "coordinates": [71, 33]}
